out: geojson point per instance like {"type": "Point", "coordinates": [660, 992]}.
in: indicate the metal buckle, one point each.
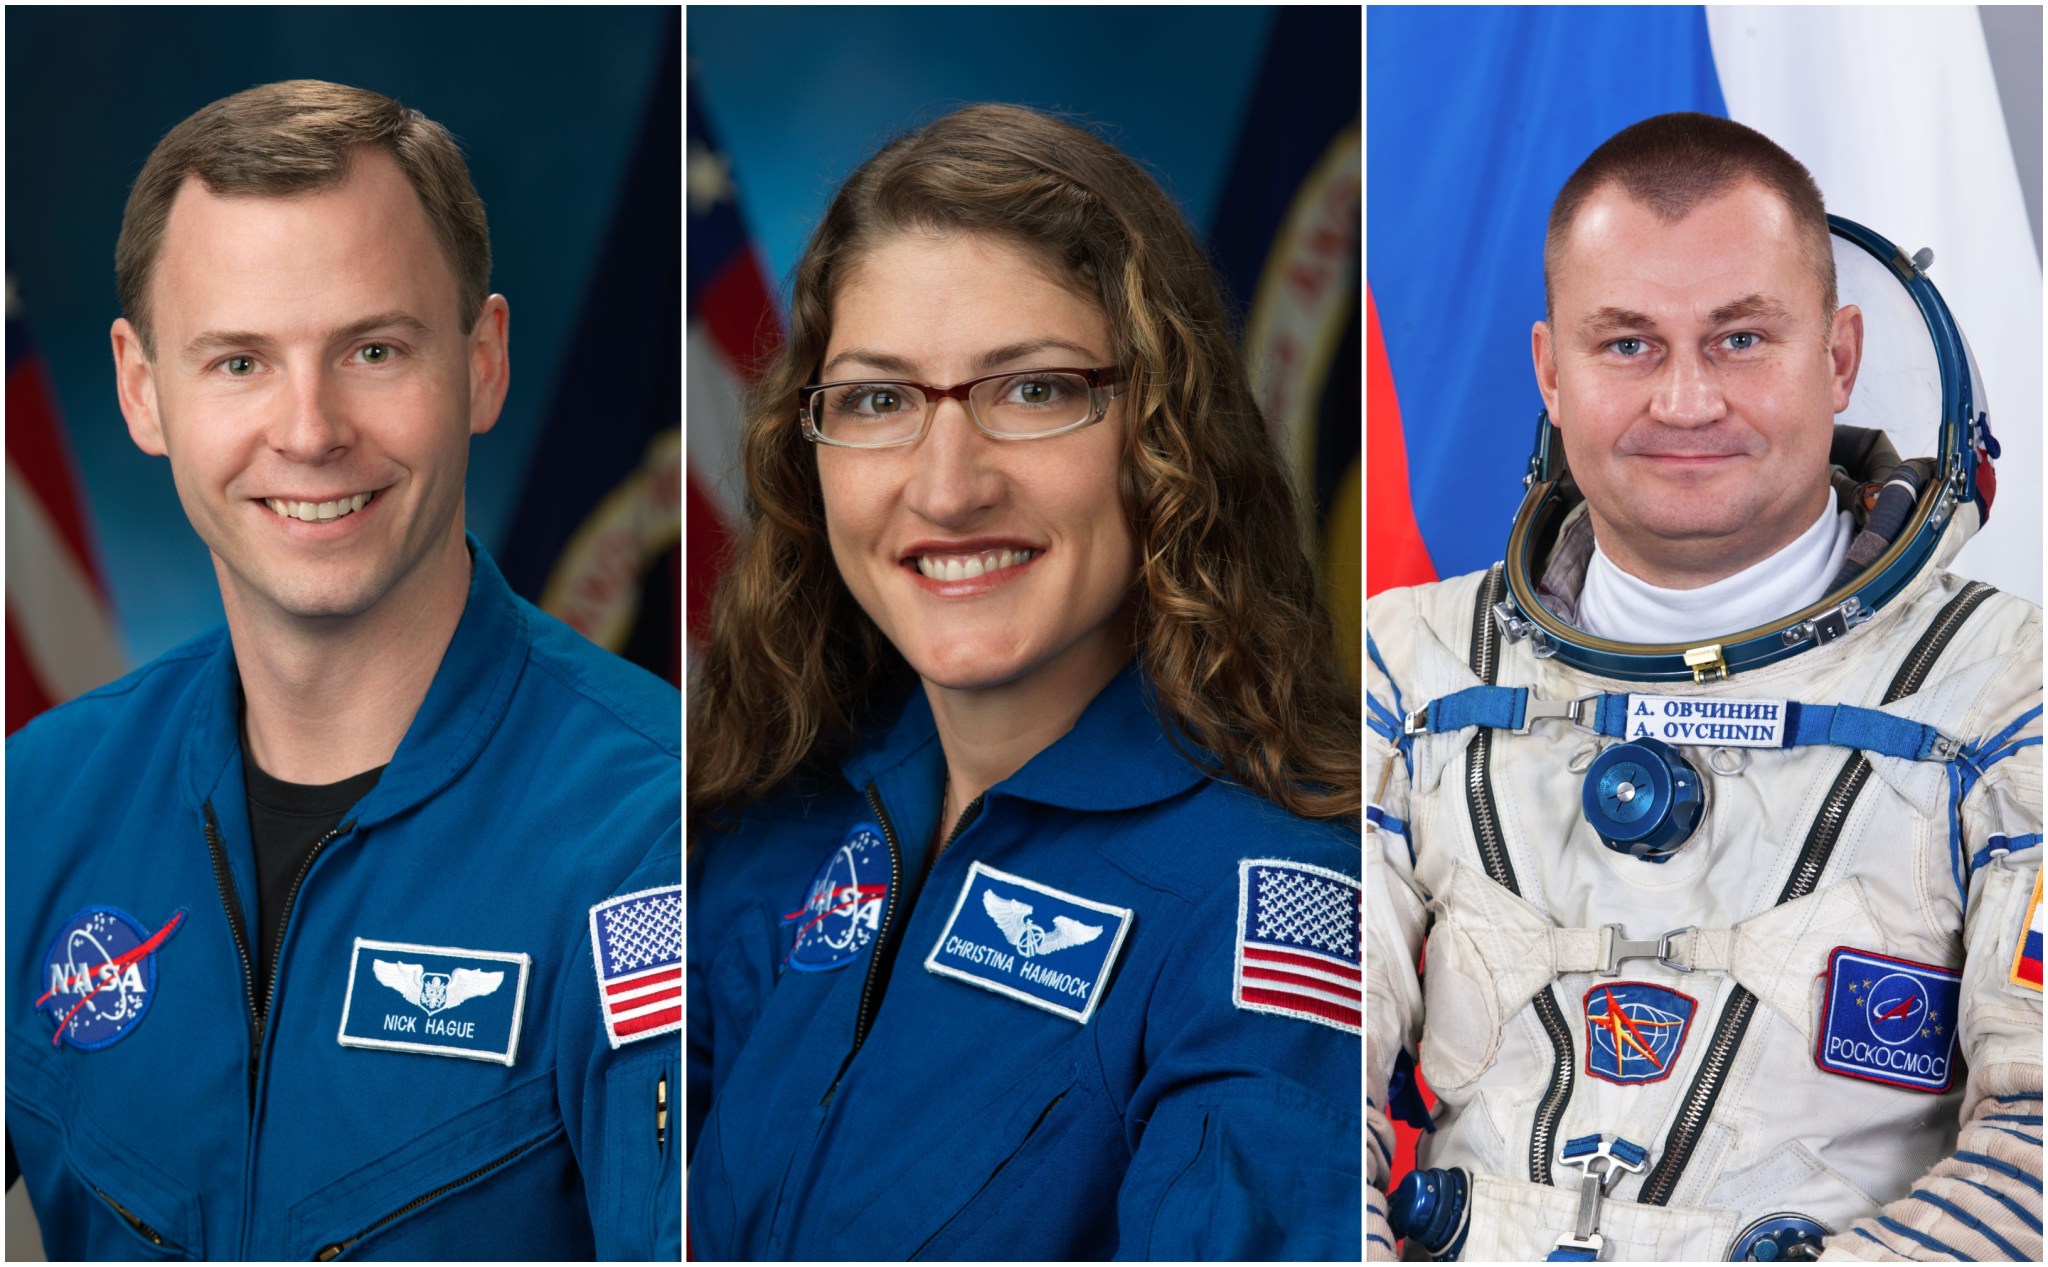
{"type": "Point", "coordinates": [1707, 660]}
{"type": "Point", "coordinates": [1620, 948]}
{"type": "Point", "coordinates": [1417, 722]}
{"type": "Point", "coordinates": [1599, 1167]}
{"type": "Point", "coordinates": [1578, 712]}
{"type": "Point", "coordinates": [1664, 948]}
{"type": "Point", "coordinates": [1946, 749]}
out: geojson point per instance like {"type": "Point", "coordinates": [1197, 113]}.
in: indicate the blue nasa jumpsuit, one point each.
{"type": "Point", "coordinates": [1087, 1082]}
{"type": "Point", "coordinates": [538, 780]}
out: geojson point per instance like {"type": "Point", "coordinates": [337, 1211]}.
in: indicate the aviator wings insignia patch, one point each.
{"type": "Point", "coordinates": [422, 984]}
{"type": "Point", "coordinates": [1030, 942]}
{"type": "Point", "coordinates": [435, 991]}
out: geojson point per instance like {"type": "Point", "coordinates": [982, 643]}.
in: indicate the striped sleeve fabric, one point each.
{"type": "Point", "coordinates": [1981, 1204]}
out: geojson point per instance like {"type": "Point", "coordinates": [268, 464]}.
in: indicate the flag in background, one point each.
{"type": "Point", "coordinates": [1286, 237]}
{"type": "Point", "coordinates": [60, 627]}
{"type": "Point", "coordinates": [1478, 116]}
{"type": "Point", "coordinates": [597, 536]}
{"type": "Point", "coordinates": [734, 333]}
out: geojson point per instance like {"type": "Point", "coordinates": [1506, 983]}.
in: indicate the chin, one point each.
{"type": "Point", "coordinates": [969, 667]}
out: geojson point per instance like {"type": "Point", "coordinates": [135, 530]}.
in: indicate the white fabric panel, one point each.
{"type": "Point", "coordinates": [1896, 113]}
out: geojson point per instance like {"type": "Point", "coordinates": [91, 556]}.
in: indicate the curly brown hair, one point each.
{"type": "Point", "coordinates": [1226, 620]}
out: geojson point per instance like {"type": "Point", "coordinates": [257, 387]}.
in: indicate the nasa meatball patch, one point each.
{"type": "Point", "coordinates": [1889, 1020]}
{"type": "Point", "coordinates": [1030, 942]}
{"type": "Point", "coordinates": [100, 972]}
{"type": "Point", "coordinates": [842, 908]}
{"type": "Point", "coordinates": [434, 1000]}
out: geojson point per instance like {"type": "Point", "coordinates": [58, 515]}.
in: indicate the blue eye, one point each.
{"type": "Point", "coordinates": [1627, 347]}
{"type": "Point", "coordinates": [1747, 341]}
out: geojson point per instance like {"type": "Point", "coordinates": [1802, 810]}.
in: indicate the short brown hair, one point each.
{"type": "Point", "coordinates": [1671, 163]}
{"type": "Point", "coordinates": [1227, 623]}
{"type": "Point", "coordinates": [295, 137]}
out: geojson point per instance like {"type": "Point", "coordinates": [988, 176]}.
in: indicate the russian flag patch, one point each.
{"type": "Point", "coordinates": [1300, 942]}
{"type": "Point", "coordinates": [637, 939]}
{"type": "Point", "coordinates": [2026, 960]}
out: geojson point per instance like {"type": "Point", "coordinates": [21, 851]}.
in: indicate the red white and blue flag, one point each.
{"type": "Point", "coordinates": [60, 627]}
{"type": "Point", "coordinates": [2026, 961]}
{"type": "Point", "coordinates": [1300, 930]}
{"type": "Point", "coordinates": [637, 941]}
{"type": "Point", "coordinates": [1476, 117]}
{"type": "Point", "coordinates": [733, 334]}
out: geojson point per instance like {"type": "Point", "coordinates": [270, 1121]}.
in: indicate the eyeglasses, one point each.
{"type": "Point", "coordinates": [874, 413]}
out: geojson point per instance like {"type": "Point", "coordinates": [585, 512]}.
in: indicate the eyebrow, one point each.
{"type": "Point", "coordinates": [218, 340]}
{"type": "Point", "coordinates": [989, 361]}
{"type": "Point", "coordinates": [1749, 307]}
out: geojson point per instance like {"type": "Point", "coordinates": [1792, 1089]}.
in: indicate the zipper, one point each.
{"type": "Point", "coordinates": [661, 1111]}
{"type": "Point", "coordinates": [1698, 1106]}
{"type": "Point", "coordinates": [144, 1230]}
{"type": "Point", "coordinates": [284, 918]}
{"type": "Point", "coordinates": [224, 881]}
{"type": "Point", "coordinates": [867, 989]}
{"type": "Point", "coordinates": [1493, 852]}
{"type": "Point", "coordinates": [338, 1248]}
{"type": "Point", "coordinates": [884, 952]}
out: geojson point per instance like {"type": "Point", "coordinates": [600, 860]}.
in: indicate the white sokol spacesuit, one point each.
{"type": "Point", "coordinates": [1727, 948]}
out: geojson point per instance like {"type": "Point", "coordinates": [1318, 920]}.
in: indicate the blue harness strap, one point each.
{"type": "Point", "coordinates": [1835, 725]}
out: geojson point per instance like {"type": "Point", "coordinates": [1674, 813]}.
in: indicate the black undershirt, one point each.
{"type": "Point", "coordinates": [285, 821]}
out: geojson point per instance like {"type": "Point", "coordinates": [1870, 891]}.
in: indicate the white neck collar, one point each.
{"type": "Point", "coordinates": [1624, 608]}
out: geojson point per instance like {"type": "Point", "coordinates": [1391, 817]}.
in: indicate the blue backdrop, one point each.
{"type": "Point", "coordinates": [799, 96]}
{"type": "Point", "coordinates": [547, 103]}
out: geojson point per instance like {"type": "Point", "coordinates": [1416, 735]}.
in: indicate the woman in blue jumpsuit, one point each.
{"type": "Point", "coordinates": [1024, 918]}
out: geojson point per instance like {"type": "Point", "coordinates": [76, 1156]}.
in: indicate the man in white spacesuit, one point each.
{"type": "Point", "coordinates": [1717, 804]}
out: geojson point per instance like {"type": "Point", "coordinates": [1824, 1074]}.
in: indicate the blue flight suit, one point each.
{"type": "Point", "coordinates": [538, 779]}
{"type": "Point", "coordinates": [980, 1117]}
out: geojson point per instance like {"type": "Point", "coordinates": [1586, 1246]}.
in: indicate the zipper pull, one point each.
{"type": "Point", "coordinates": [661, 1111]}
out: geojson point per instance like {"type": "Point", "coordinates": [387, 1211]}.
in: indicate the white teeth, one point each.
{"type": "Point", "coordinates": [965, 567]}
{"type": "Point", "coordinates": [319, 512]}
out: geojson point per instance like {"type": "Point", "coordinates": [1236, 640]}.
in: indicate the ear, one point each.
{"type": "Point", "coordinates": [1845, 354]}
{"type": "Point", "coordinates": [1544, 355]}
{"type": "Point", "coordinates": [490, 364]}
{"type": "Point", "coordinates": [135, 385]}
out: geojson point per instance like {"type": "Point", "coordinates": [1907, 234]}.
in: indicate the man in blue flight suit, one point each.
{"type": "Point", "coordinates": [352, 929]}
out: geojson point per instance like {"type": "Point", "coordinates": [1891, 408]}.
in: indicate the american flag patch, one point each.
{"type": "Point", "coordinates": [2026, 961]}
{"type": "Point", "coordinates": [1299, 942]}
{"type": "Point", "coordinates": [637, 940]}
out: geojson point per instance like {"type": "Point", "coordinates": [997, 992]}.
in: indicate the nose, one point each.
{"type": "Point", "coordinates": [955, 477]}
{"type": "Point", "coordinates": [1688, 394]}
{"type": "Point", "coordinates": [313, 424]}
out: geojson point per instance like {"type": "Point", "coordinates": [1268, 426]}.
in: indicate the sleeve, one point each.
{"type": "Point", "coordinates": [619, 1075]}
{"type": "Point", "coordinates": [1245, 1125]}
{"type": "Point", "coordinates": [1394, 925]}
{"type": "Point", "coordinates": [1983, 1201]}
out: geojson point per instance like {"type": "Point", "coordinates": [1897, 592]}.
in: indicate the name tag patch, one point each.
{"type": "Point", "coordinates": [1030, 942]}
{"type": "Point", "coordinates": [437, 1000]}
{"type": "Point", "coordinates": [1722, 723]}
{"type": "Point", "coordinates": [1889, 1020]}
{"type": "Point", "coordinates": [101, 974]}
{"type": "Point", "coordinates": [842, 910]}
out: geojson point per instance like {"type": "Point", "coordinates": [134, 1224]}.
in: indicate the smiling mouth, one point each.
{"type": "Point", "coordinates": [318, 512]}
{"type": "Point", "coordinates": [966, 567]}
